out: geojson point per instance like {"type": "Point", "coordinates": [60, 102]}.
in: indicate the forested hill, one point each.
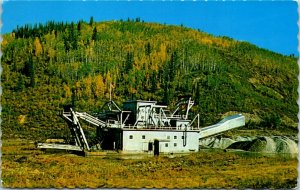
{"type": "Point", "coordinates": [49, 66]}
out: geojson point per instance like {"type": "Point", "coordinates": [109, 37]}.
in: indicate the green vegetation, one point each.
{"type": "Point", "coordinates": [50, 66]}
{"type": "Point", "coordinates": [25, 167]}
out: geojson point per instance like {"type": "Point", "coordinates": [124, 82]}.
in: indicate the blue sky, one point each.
{"type": "Point", "coordinates": [270, 25]}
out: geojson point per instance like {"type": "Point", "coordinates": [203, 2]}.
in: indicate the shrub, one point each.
{"type": "Point", "coordinates": [271, 120]}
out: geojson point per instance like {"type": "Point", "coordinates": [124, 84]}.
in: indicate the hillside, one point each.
{"type": "Point", "coordinates": [49, 66]}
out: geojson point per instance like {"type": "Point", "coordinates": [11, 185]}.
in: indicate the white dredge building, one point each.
{"type": "Point", "coordinates": [144, 126]}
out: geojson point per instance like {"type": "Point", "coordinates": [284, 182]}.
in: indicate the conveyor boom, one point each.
{"type": "Point", "coordinates": [226, 124]}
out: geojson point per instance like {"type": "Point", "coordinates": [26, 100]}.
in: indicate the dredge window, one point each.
{"type": "Point", "coordinates": [166, 145]}
{"type": "Point", "coordinates": [130, 137]}
{"type": "Point", "coordinates": [143, 137]}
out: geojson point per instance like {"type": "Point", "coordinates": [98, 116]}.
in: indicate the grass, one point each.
{"type": "Point", "coordinates": [25, 167]}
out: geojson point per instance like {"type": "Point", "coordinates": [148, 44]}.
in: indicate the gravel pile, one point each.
{"type": "Point", "coordinates": [263, 144]}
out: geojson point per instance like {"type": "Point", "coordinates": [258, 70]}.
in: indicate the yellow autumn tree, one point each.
{"type": "Point", "coordinates": [163, 52]}
{"type": "Point", "coordinates": [67, 90]}
{"type": "Point", "coordinates": [98, 86]}
{"type": "Point", "coordinates": [49, 47]}
{"type": "Point", "coordinates": [38, 47]}
{"type": "Point", "coordinates": [78, 90]}
{"type": "Point", "coordinates": [87, 85]}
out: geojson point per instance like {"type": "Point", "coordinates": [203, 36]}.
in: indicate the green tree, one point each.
{"type": "Point", "coordinates": [21, 84]}
{"type": "Point", "coordinates": [94, 36]}
{"type": "Point", "coordinates": [91, 21]}
{"type": "Point", "coordinates": [148, 49]}
{"type": "Point", "coordinates": [129, 62]}
{"type": "Point", "coordinates": [30, 71]}
{"type": "Point", "coordinates": [79, 25]}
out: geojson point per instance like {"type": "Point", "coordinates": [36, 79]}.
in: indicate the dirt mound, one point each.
{"type": "Point", "coordinates": [216, 142]}
{"type": "Point", "coordinates": [221, 143]}
{"type": "Point", "coordinates": [275, 144]}
{"type": "Point", "coordinates": [240, 138]}
{"type": "Point", "coordinates": [286, 145]}
{"type": "Point", "coordinates": [263, 144]}
{"type": "Point", "coordinates": [267, 145]}
{"type": "Point", "coordinates": [243, 145]}
{"type": "Point", "coordinates": [205, 143]}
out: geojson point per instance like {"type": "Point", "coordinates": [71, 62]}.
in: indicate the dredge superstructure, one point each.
{"type": "Point", "coordinates": [144, 126]}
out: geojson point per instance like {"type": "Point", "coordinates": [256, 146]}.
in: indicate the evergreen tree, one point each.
{"type": "Point", "coordinates": [79, 25]}
{"type": "Point", "coordinates": [21, 84]}
{"type": "Point", "coordinates": [91, 21]}
{"type": "Point", "coordinates": [172, 65]}
{"type": "Point", "coordinates": [30, 71]}
{"type": "Point", "coordinates": [148, 49]}
{"type": "Point", "coordinates": [154, 81]}
{"type": "Point", "coordinates": [73, 37]}
{"type": "Point", "coordinates": [129, 62]}
{"type": "Point", "coordinates": [94, 36]}
{"type": "Point", "coordinates": [73, 97]}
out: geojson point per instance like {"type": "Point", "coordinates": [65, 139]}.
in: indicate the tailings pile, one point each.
{"type": "Point", "coordinates": [263, 144]}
